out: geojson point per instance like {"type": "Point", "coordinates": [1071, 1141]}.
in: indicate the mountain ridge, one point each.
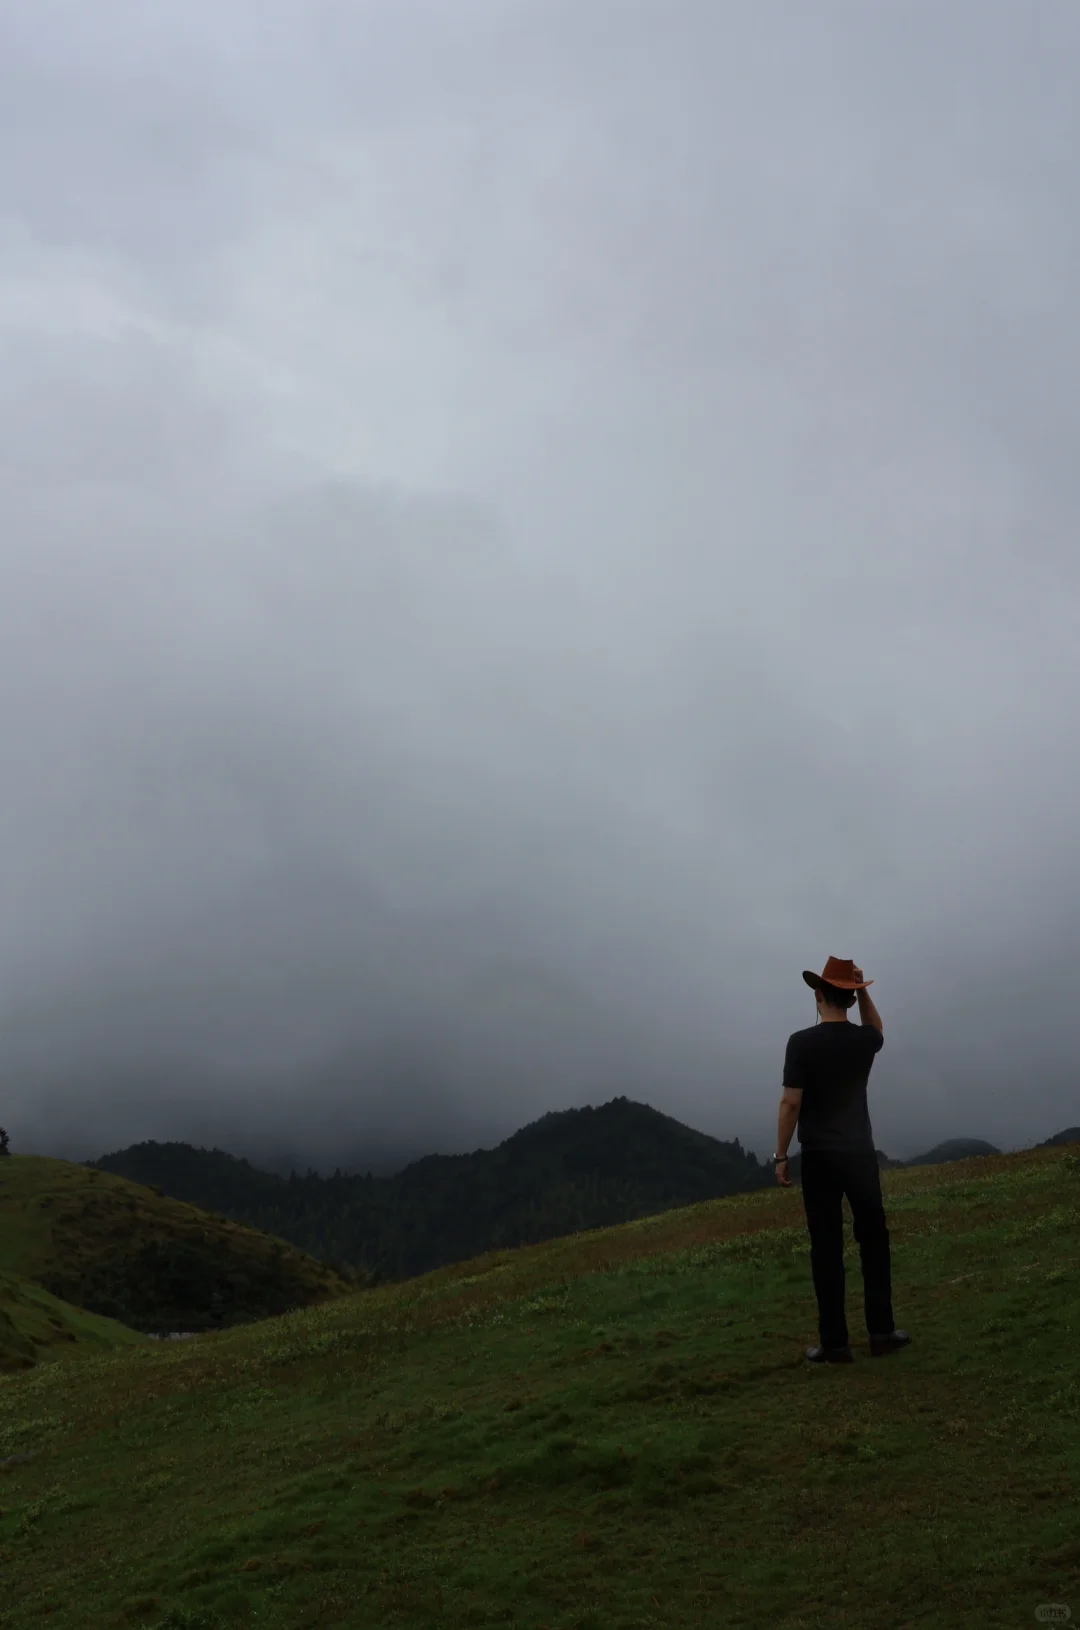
{"type": "Point", "coordinates": [569, 1170]}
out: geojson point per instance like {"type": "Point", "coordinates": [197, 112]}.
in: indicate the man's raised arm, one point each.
{"type": "Point", "coordinates": [868, 1013]}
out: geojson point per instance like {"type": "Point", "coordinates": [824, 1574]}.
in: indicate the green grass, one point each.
{"type": "Point", "coordinates": [610, 1432]}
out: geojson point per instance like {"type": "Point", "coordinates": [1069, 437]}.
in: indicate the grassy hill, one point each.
{"type": "Point", "coordinates": [613, 1431]}
{"type": "Point", "coordinates": [36, 1326]}
{"type": "Point", "coordinates": [117, 1249]}
{"type": "Point", "coordinates": [572, 1170]}
{"type": "Point", "coordinates": [953, 1149]}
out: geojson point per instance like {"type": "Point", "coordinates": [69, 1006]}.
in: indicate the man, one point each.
{"type": "Point", "coordinates": [826, 1071]}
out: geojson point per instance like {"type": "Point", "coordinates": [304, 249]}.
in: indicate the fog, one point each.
{"type": "Point", "coordinates": [522, 527]}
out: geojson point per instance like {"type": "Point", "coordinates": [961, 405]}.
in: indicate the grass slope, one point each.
{"type": "Point", "coordinates": [613, 1431]}
{"type": "Point", "coordinates": [120, 1250]}
{"type": "Point", "coordinates": [35, 1325]}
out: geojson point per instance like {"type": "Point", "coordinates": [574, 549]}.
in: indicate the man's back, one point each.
{"type": "Point", "coordinates": [825, 1077]}
{"type": "Point", "coordinates": [830, 1064]}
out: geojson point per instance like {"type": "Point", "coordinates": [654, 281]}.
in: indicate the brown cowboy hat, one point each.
{"type": "Point", "coordinates": [843, 975]}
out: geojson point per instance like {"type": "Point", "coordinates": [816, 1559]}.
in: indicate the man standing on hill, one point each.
{"type": "Point", "coordinates": [826, 1071]}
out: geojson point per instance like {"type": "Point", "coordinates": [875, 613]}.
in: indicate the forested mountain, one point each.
{"type": "Point", "coordinates": [571, 1170]}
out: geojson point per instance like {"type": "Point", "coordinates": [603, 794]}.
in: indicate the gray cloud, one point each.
{"type": "Point", "coordinates": [522, 528]}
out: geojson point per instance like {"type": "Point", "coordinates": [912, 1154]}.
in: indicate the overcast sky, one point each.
{"type": "Point", "coordinates": [523, 525]}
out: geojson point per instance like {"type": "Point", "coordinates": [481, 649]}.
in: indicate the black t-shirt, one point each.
{"type": "Point", "coordinates": [831, 1063]}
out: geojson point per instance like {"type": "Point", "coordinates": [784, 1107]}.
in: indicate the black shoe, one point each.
{"type": "Point", "coordinates": [830, 1355]}
{"type": "Point", "coordinates": [892, 1343]}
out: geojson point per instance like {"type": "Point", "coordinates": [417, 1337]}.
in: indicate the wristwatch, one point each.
{"type": "Point", "coordinates": [778, 1160]}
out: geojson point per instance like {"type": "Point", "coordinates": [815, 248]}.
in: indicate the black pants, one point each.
{"type": "Point", "coordinates": [826, 1178]}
